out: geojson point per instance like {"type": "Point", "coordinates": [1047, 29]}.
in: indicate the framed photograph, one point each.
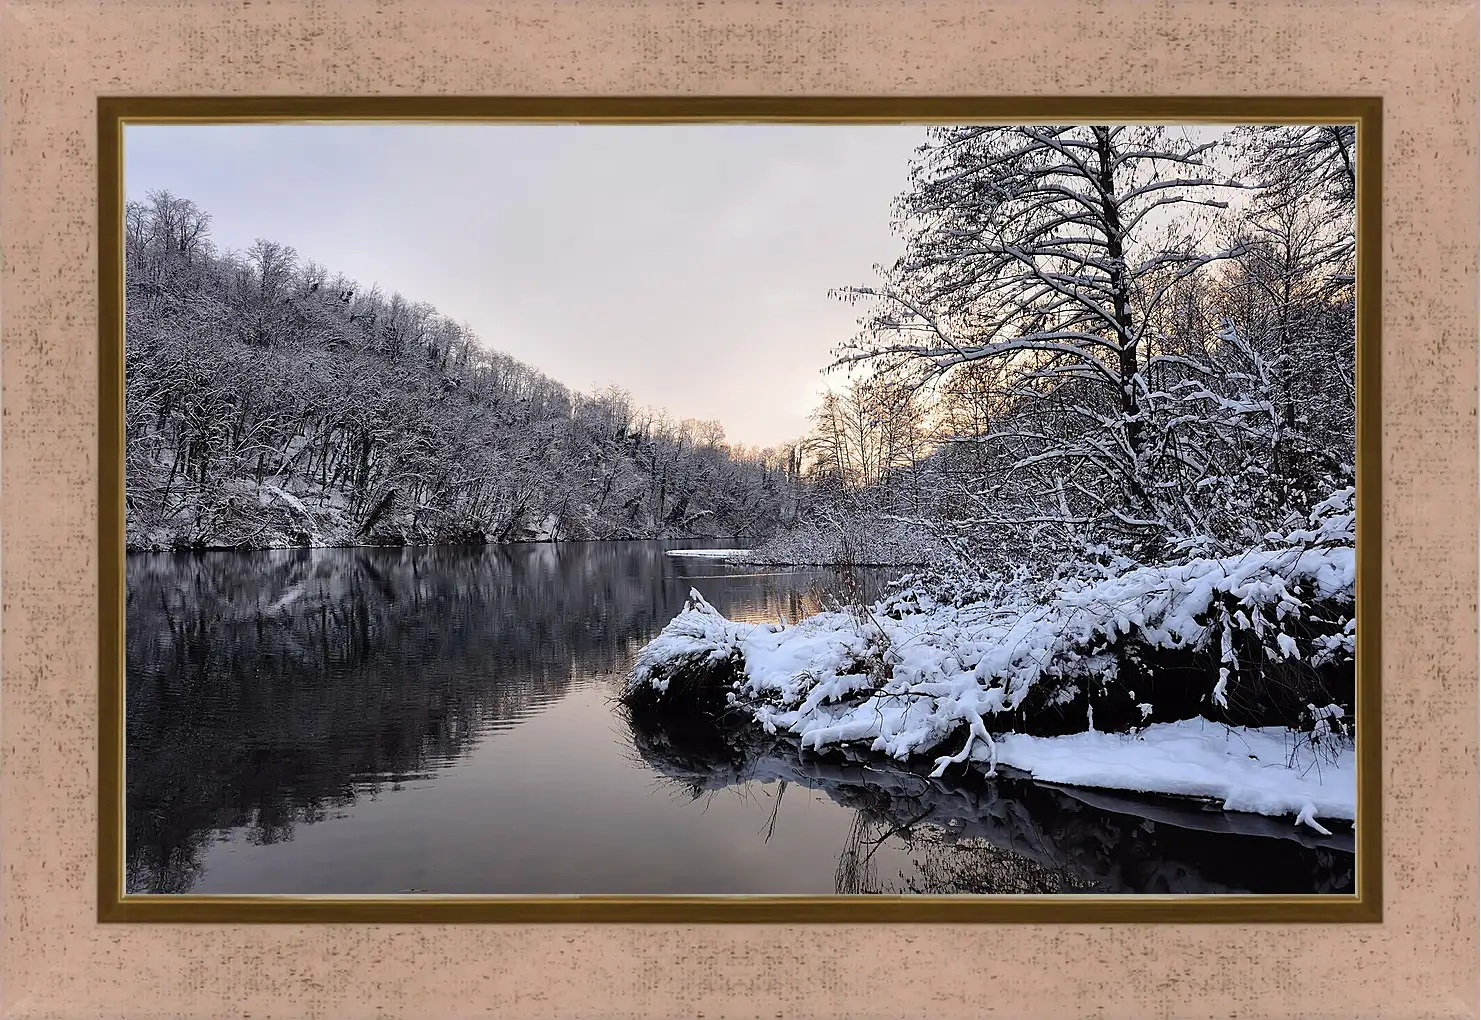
{"type": "Point", "coordinates": [915, 509]}
{"type": "Point", "coordinates": [738, 510]}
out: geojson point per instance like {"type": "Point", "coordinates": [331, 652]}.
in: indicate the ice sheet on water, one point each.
{"type": "Point", "coordinates": [707, 554]}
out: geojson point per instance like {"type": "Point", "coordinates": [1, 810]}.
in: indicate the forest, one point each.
{"type": "Point", "coordinates": [1104, 344]}
{"type": "Point", "coordinates": [1113, 374]}
{"type": "Point", "coordinates": [270, 404]}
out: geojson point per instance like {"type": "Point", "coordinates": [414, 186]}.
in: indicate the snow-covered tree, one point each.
{"type": "Point", "coordinates": [1304, 163]}
{"type": "Point", "coordinates": [1048, 251]}
{"type": "Point", "coordinates": [269, 402]}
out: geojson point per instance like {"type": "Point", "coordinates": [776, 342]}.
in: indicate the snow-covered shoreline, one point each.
{"type": "Point", "coordinates": [795, 680]}
{"type": "Point", "coordinates": [1092, 835]}
{"type": "Point", "coordinates": [1258, 770]}
{"type": "Point", "coordinates": [1244, 665]}
{"type": "Point", "coordinates": [320, 543]}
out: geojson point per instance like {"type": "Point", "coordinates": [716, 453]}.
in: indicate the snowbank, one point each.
{"type": "Point", "coordinates": [1258, 770]}
{"type": "Point", "coordinates": [1269, 633]}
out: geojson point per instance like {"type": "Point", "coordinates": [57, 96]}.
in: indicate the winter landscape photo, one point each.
{"type": "Point", "coordinates": [545, 509]}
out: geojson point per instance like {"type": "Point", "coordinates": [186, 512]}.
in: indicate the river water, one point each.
{"type": "Point", "coordinates": [443, 720]}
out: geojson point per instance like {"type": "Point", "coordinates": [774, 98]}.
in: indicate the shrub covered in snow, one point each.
{"type": "Point", "coordinates": [1250, 640]}
{"type": "Point", "coordinates": [692, 666]}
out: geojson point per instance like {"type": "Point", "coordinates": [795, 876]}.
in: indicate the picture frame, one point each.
{"type": "Point", "coordinates": [57, 691]}
{"type": "Point", "coordinates": [115, 114]}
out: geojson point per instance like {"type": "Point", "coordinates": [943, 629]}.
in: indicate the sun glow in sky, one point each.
{"type": "Point", "coordinates": [687, 264]}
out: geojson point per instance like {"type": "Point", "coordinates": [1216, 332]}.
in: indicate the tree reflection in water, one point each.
{"type": "Point", "coordinates": [273, 689]}
{"type": "Point", "coordinates": [267, 691]}
{"type": "Point", "coordinates": [1005, 836]}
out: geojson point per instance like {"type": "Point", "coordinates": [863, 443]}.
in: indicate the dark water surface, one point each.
{"type": "Point", "coordinates": [442, 720]}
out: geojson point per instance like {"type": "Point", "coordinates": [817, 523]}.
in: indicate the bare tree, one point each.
{"type": "Point", "coordinates": [1048, 251]}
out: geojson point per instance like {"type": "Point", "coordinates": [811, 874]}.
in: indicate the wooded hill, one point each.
{"type": "Point", "coordinates": [270, 403]}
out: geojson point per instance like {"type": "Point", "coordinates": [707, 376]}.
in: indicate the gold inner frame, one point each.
{"type": "Point", "coordinates": [1365, 905]}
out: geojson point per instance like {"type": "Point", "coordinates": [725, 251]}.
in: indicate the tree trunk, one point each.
{"type": "Point", "coordinates": [1120, 296]}
{"type": "Point", "coordinates": [376, 514]}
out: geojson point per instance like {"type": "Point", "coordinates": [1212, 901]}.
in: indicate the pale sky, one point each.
{"type": "Point", "coordinates": [688, 264]}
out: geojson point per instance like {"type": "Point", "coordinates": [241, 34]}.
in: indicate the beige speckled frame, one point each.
{"type": "Point", "coordinates": [1420, 58]}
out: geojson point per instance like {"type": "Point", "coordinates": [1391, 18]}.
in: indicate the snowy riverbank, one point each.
{"type": "Point", "coordinates": [247, 515]}
{"type": "Point", "coordinates": [1227, 678]}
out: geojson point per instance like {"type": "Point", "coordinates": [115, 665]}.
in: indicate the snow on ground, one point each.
{"type": "Point", "coordinates": [269, 490]}
{"type": "Point", "coordinates": [1258, 770]}
{"type": "Point", "coordinates": [909, 673]}
{"type": "Point", "coordinates": [547, 529]}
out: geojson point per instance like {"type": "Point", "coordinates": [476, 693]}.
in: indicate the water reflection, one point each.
{"type": "Point", "coordinates": [437, 719]}
{"type": "Point", "coordinates": [273, 689]}
{"type": "Point", "coordinates": [1008, 835]}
